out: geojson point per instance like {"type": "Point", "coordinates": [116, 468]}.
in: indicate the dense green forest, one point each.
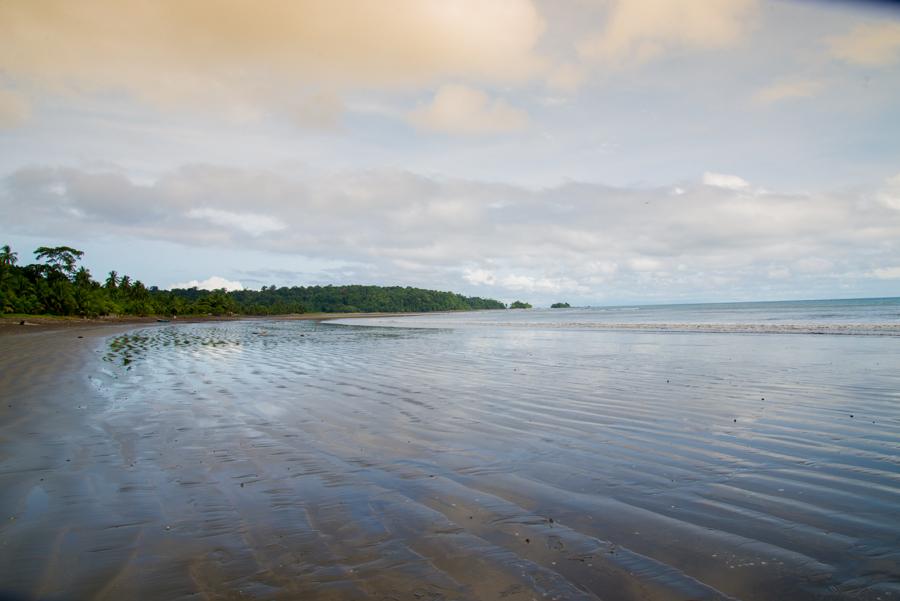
{"type": "Point", "coordinates": [56, 285]}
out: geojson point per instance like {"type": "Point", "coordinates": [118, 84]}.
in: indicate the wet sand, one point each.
{"type": "Point", "coordinates": [299, 460]}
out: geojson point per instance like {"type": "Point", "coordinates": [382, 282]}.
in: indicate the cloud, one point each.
{"type": "Point", "coordinates": [459, 109]}
{"type": "Point", "coordinates": [14, 109]}
{"type": "Point", "coordinates": [719, 236]}
{"type": "Point", "coordinates": [721, 180]}
{"type": "Point", "coordinates": [518, 282]}
{"type": "Point", "coordinates": [870, 45]}
{"type": "Point", "coordinates": [251, 223]}
{"type": "Point", "coordinates": [480, 276]}
{"type": "Point", "coordinates": [887, 273]}
{"type": "Point", "coordinates": [637, 31]}
{"type": "Point", "coordinates": [566, 77]}
{"type": "Point", "coordinates": [786, 89]}
{"type": "Point", "coordinates": [321, 110]}
{"type": "Point", "coordinates": [211, 283]}
{"type": "Point", "coordinates": [233, 55]}
{"type": "Point", "coordinates": [889, 195]}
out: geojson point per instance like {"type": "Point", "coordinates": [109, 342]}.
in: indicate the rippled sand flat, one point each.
{"type": "Point", "coordinates": [298, 460]}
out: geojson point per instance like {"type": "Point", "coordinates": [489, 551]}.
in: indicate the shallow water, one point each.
{"type": "Point", "coordinates": [866, 316]}
{"type": "Point", "coordinates": [300, 460]}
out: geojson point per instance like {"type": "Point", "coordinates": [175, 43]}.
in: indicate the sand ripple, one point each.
{"type": "Point", "coordinates": [295, 460]}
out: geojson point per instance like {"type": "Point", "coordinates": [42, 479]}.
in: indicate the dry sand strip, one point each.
{"type": "Point", "coordinates": [31, 324]}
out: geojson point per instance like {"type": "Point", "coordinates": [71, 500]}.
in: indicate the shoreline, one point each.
{"type": "Point", "coordinates": [34, 324]}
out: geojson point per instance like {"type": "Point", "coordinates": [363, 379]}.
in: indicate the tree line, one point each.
{"type": "Point", "coordinates": [56, 285]}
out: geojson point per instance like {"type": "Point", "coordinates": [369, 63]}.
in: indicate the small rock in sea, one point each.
{"type": "Point", "coordinates": [527, 541]}
{"type": "Point", "coordinates": [81, 336]}
{"type": "Point", "coordinates": [851, 415]}
{"type": "Point", "coordinates": [735, 420]}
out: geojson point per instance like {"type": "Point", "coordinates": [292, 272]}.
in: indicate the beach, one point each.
{"type": "Point", "coordinates": [272, 459]}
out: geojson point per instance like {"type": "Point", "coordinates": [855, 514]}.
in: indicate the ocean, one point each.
{"type": "Point", "coordinates": [872, 316]}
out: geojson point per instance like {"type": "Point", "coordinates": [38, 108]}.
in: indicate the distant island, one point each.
{"type": "Point", "coordinates": [519, 305]}
{"type": "Point", "coordinates": [56, 285]}
{"type": "Point", "coordinates": [560, 306]}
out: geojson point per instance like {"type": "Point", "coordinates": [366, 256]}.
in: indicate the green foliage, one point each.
{"type": "Point", "coordinates": [560, 306]}
{"type": "Point", "coordinates": [519, 305]}
{"type": "Point", "coordinates": [59, 287]}
{"type": "Point", "coordinates": [61, 259]}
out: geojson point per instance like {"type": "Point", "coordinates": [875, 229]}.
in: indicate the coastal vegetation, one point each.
{"type": "Point", "coordinates": [56, 285]}
{"type": "Point", "coordinates": [560, 306]}
{"type": "Point", "coordinates": [519, 305]}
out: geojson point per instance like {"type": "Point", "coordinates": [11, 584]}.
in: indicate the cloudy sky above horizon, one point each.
{"type": "Point", "coordinates": [594, 151]}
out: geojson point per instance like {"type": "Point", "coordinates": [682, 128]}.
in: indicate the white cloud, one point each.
{"type": "Point", "coordinates": [566, 77]}
{"type": "Point", "coordinates": [645, 264]}
{"type": "Point", "coordinates": [889, 195]}
{"type": "Point", "coordinates": [722, 180]}
{"type": "Point", "coordinates": [251, 223]}
{"type": "Point", "coordinates": [459, 109]}
{"type": "Point", "coordinates": [787, 89]}
{"type": "Point", "coordinates": [887, 273]}
{"type": "Point", "coordinates": [480, 277]}
{"type": "Point", "coordinates": [14, 109]}
{"type": "Point", "coordinates": [212, 283]}
{"type": "Point", "coordinates": [870, 45]}
{"type": "Point", "coordinates": [518, 282]}
{"type": "Point", "coordinates": [321, 110]}
{"type": "Point", "coordinates": [581, 239]}
{"type": "Point", "coordinates": [813, 265]}
{"type": "Point", "coordinates": [637, 31]}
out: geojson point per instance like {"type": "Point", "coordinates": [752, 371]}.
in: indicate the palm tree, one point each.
{"type": "Point", "coordinates": [7, 257]}
{"type": "Point", "coordinates": [83, 277]}
{"type": "Point", "coordinates": [112, 280]}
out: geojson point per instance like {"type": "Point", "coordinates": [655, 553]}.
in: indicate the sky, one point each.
{"type": "Point", "coordinates": [591, 151]}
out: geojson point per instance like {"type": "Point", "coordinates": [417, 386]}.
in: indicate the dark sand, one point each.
{"type": "Point", "coordinates": [271, 460]}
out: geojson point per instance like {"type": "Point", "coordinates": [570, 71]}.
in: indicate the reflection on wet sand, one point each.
{"type": "Point", "coordinates": [312, 461]}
